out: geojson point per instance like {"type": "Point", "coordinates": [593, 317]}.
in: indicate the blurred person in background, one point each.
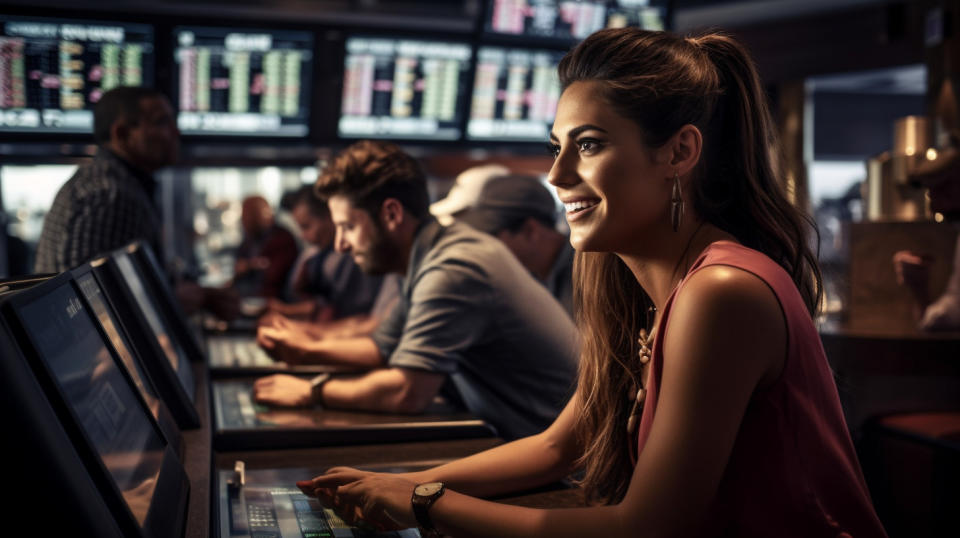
{"type": "Point", "coordinates": [330, 294]}
{"type": "Point", "coordinates": [111, 200]}
{"type": "Point", "coordinates": [266, 254]}
{"type": "Point", "coordinates": [941, 177]}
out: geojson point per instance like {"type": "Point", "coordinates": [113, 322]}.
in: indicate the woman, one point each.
{"type": "Point", "coordinates": [682, 230]}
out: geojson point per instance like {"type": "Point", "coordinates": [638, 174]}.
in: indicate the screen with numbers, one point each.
{"type": "Point", "coordinates": [242, 82]}
{"type": "Point", "coordinates": [569, 19]}
{"type": "Point", "coordinates": [515, 94]}
{"type": "Point", "coordinates": [53, 71]}
{"type": "Point", "coordinates": [403, 88]}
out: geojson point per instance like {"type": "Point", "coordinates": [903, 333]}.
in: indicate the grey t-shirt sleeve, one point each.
{"type": "Point", "coordinates": [388, 332]}
{"type": "Point", "coordinates": [447, 315]}
{"type": "Point", "coordinates": [387, 295]}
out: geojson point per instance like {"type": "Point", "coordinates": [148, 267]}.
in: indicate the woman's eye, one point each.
{"type": "Point", "coordinates": [554, 150]}
{"type": "Point", "coordinates": [588, 146]}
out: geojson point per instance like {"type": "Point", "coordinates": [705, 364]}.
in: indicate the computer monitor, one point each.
{"type": "Point", "coordinates": [242, 82]}
{"type": "Point", "coordinates": [44, 455]}
{"type": "Point", "coordinates": [568, 19]}
{"type": "Point", "coordinates": [135, 470]}
{"type": "Point", "coordinates": [515, 94]}
{"type": "Point", "coordinates": [403, 88]}
{"type": "Point", "coordinates": [111, 330]}
{"type": "Point", "coordinates": [150, 336]}
{"type": "Point", "coordinates": [158, 286]}
{"type": "Point", "coordinates": [53, 71]}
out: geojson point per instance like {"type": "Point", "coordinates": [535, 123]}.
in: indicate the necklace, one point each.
{"type": "Point", "coordinates": [645, 339]}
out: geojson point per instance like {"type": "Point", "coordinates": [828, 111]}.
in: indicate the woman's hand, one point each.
{"type": "Point", "coordinates": [382, 499]}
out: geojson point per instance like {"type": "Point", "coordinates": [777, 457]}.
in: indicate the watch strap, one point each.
{"type": "Point", "coordinates": [316, 388]}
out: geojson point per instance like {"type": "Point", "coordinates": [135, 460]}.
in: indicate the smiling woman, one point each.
{"type": "Point", "coordinates": [705, 405]}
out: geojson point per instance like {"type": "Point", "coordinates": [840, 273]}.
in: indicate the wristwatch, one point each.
{"type": "Point", "coordinates": [424, 495]}
{"type": "Point", "coordinates": [316, 388]}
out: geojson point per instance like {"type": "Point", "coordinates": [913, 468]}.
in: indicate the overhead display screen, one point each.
{"type": "Point", "coordinates": [515, 93]}
{"type": "Point", "coordinates": [569, 19]}
{"type": "Point", "coordinates": [53, 71]}
{"type": "Point", "coordinates": [242, 82]}
{"type": "Point", "coordinates": [402, 88]}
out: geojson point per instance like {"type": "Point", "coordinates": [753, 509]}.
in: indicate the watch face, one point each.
{"type": "Point", "coordinates": [428, 489]}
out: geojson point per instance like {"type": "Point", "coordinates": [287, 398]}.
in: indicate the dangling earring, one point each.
{"type": "Point", "coordinates": [676, 203]}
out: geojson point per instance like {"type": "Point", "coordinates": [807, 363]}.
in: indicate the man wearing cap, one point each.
{"type": "Point", "coordinates": [521, 212]}
{"type": "Point", "coordinates": [465, 191]}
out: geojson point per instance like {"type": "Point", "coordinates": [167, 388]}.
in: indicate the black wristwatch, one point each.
{"type": "Point", "coordinates": [424, 495]}
{"type": "Point", "coordinates": [316, 389]}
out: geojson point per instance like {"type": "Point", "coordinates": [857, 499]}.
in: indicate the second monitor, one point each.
{"type": "Point", "coordinates": [243, 82]}
{"type": "Point", "coordinates": [403, 88]}
{"type": "Point", "coordinates": [515, 94]}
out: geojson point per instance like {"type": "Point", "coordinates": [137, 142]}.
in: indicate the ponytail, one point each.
{"type": "Point", "coordinates": [741, 160]}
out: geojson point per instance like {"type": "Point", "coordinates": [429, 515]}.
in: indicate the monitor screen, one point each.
{"type": "Point", "coordinates": [94, 295]}
{"type": "Point", "coordinates": [569, 19]}
{"type": "Point", "coordinates": [242, 82]}
{"type": "Point", "coordinates": [515, 94]}
{"type": "Point", "coordinates": [403, 88]}
{"type": "Point", "coordinates": [53, 71]}
{"type": "Point", "coordinates": [165, 337]}
{"type": "Point", "coordinates": [107, 409]}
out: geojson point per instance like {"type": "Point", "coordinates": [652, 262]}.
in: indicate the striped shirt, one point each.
{"type": "Point", "coordinates": [104, 206]}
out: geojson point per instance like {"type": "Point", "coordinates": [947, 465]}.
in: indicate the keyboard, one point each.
{"type": "Point", "coordinates": [225, 352]}
{"type": "Point", "coordinates": [235, 404]}
{"type": "Point", "coordinates": [286, 512]}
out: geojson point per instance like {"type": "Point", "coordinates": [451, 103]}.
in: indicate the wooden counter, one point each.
{"type": "Point", "coordinates": [883, 372]}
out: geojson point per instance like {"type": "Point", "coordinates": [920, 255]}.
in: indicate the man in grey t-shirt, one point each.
{"type": "Point", "coordinates": [472, 323]}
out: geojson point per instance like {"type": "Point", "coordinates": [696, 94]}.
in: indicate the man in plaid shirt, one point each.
{"type": "Point", "coordinates": [110, 200]}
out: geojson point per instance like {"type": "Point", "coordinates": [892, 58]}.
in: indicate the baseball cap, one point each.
{"type": "Point", "coordinates": [504, 200]}
{"type": "Point", "coordinates": [465, 191]}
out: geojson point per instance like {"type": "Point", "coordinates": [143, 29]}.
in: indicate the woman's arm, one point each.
{"type": "Point", "coordinates": [725, 337]}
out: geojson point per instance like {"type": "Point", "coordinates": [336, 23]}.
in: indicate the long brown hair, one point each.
{"type": "Point", "coordinates": [663, 82]}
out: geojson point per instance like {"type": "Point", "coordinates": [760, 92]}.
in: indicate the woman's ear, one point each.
{"type": "Point", "coordinates": [685, 147]}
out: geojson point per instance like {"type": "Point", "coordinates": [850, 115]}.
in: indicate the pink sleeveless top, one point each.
{"type": "Point", "coordinates": [793, 471]}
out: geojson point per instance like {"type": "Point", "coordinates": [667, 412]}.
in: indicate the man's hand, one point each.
{"type": "Point", "coordinates": [913, 272]}
{"type": "Point", "coordinates": [283, 344]}
{"type": "Point", "coordinates": [283, 390]}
